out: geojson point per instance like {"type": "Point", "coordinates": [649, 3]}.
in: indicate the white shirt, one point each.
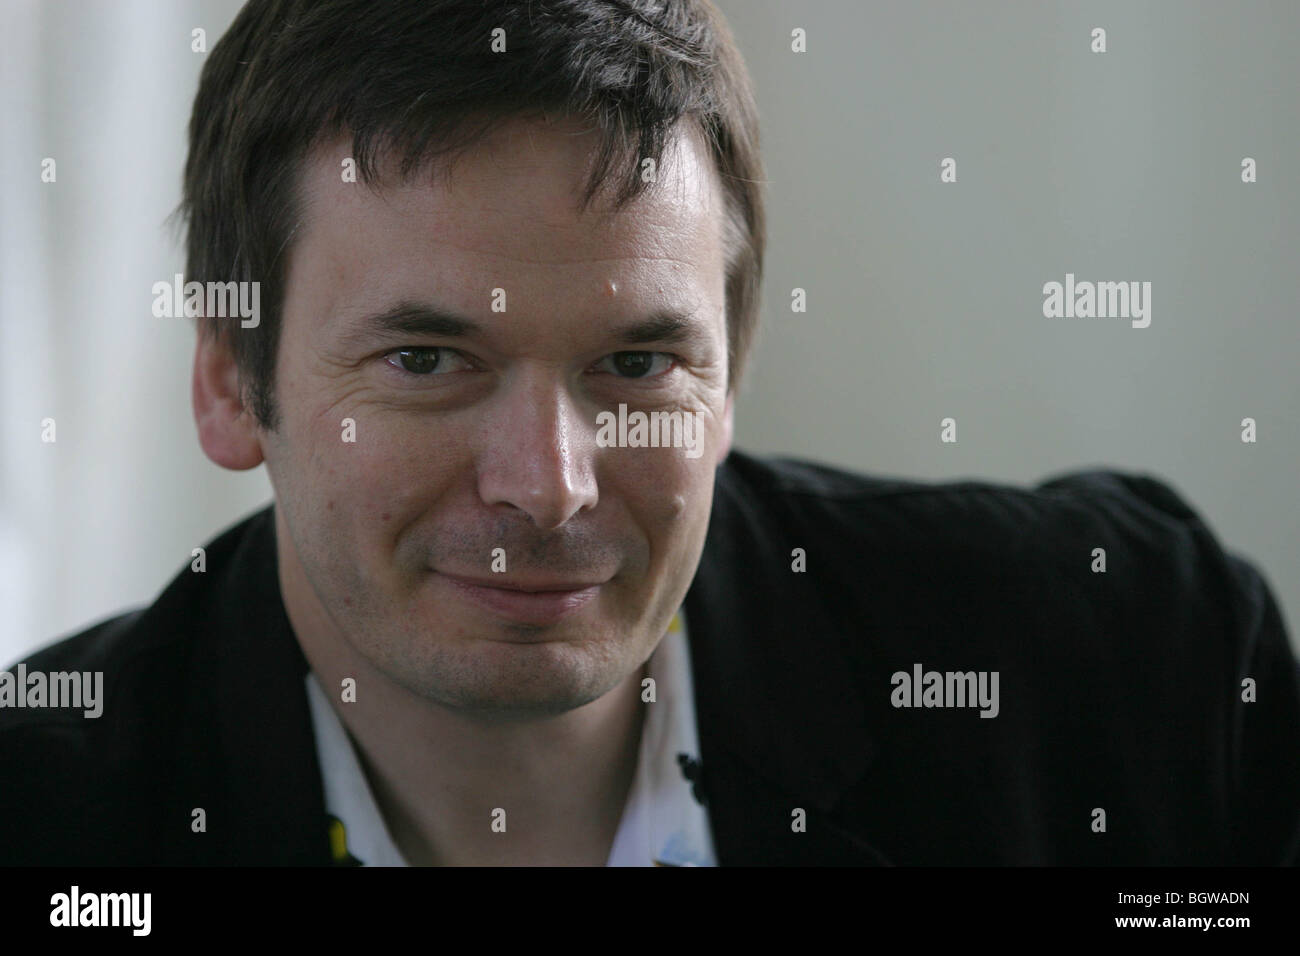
{"type": "Point", "coordinates": [662, 824]}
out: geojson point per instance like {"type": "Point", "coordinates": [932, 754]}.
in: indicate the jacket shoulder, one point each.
{"type": "Point", "coordinates": [810, 491]}
{"type": "Point", "coordinates": [972, 531]}
{"type": "Point", "coordinates": [87, 786]}
{"type": "Point", "coordinates": [1124, 633]}
{"type": "Point", "coordinates": [135, 649]}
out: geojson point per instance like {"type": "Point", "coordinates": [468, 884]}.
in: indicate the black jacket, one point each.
{"type": "Point", "coordinates": [1119, 691]}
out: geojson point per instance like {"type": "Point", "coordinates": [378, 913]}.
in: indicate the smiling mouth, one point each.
{"type": "Point", "coordinates": [533, 601]}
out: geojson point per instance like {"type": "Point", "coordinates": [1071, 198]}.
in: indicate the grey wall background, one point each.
{"type": "Point", "coordinates": [924, 299]}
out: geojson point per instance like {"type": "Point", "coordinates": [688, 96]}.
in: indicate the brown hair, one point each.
{"type": "Point", "coordinates": [419, 82]}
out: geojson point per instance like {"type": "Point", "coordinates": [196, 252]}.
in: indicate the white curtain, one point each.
{"type": "Point", "coordinates": [99, 519]}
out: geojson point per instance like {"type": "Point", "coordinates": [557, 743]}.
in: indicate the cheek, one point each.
{"type": "Point", "coordinates": [375, 470]}
{"type": "Point", "coordinates": [669, 497]}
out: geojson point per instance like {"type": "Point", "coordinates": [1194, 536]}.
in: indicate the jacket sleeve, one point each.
{"type": "Point", "coordinates": [1264, 733]}
{"type": "Point", "coordinates": [1258, 750]}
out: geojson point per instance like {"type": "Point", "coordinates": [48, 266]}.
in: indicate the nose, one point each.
{"type": "Point", "coordinates": [537, 455]}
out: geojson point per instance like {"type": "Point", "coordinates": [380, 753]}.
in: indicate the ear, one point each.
{"type": "Point", "coordinates": [728, 429]}
{"type": "Point", "coordinates": [228, 432]}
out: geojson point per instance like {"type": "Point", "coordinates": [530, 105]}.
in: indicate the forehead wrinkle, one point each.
{"type": "Point", "coordinates": [573, 262]}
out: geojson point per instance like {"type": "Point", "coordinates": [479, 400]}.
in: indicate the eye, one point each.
{"type": "Point", "coordinates": [425, 360]}
{"type": "Point", "coordinates": [638, 364]}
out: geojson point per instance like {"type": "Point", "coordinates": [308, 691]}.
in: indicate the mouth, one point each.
{"type": "Point", "coordinates": [537, 602]}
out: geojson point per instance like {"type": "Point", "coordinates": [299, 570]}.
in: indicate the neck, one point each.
{"type": "Point", "coordinates": [455, 790]}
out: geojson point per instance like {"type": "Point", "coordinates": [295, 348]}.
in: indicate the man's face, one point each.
{"type": "Point", "coordinates": [480, 435]}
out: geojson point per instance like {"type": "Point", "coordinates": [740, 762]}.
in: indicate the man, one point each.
{"type": "Point", "coordinates": [518, 602]}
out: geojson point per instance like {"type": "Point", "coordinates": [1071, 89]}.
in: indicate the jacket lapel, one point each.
{"type": "Point", "coordinates": [266, 769]}
{"type": "Point", "coordinates": [782, 726]}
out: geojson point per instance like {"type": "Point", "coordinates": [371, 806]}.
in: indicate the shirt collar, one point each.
{"type": "Point", "coordinates": [662, 823]}
{"type": "Point", "coordinates": [357, 831]}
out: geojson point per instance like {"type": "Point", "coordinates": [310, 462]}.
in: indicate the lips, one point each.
{"type": "Point", "coordinates": [527, 585]}
{"type": "Point", "coordinates": [532, 601]}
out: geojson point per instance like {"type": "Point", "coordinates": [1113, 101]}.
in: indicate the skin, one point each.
{"type": "Point", "coordinates": [460, 710]}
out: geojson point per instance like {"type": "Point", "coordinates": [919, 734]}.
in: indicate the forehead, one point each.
{"type": "Point", "coordinates": [511, 203]}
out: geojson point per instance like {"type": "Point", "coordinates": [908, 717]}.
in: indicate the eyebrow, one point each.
{"type": "Point", "coordinates": [407, 318]}
{"type": "Point", "coordinates": [666, 326]}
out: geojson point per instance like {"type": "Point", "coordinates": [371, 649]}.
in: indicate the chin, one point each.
{"type": "Point", "coordinates": [514, 679]}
